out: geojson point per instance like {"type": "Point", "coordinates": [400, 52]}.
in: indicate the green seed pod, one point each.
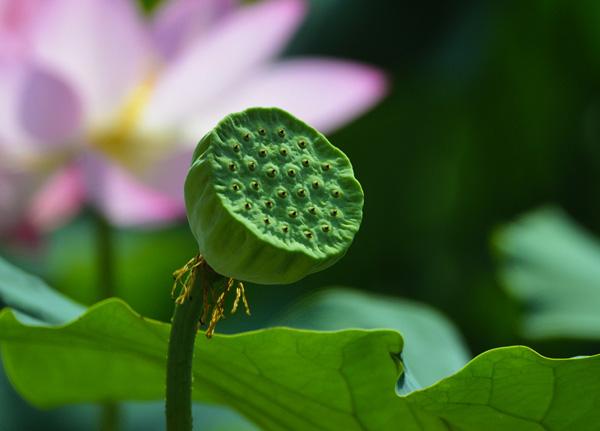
{"type": "Point", "coordinates": [269, 199]}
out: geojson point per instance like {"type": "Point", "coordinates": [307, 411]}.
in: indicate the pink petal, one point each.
{"type": "Point", "coordinates": [38, 110]}
{"type": "Point", "coordinates": [17, 20]}
{"type": "Point", "coordinates": [58, 200]}
{"type": "Point", "coordinates": [15, 189]}
{"type": "Point", "coordinates": [179, 22]}
{"type": "Point", "coordinates": [49, 110]}
{"type": "Point", "coordinates": [324, 93]}
{"type": "Point", "coordinates": [216, 62]}
{"type": "Point", "coordinates": [98, 45]}
{"type": "Point", "coordinates": [124, 200]}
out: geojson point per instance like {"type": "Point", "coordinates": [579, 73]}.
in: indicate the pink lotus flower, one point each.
{"type": "Point", "coordinates": [100, 106]}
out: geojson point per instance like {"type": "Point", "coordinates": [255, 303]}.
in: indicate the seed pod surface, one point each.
{"type": "Point", "coordinates": [253, 205]}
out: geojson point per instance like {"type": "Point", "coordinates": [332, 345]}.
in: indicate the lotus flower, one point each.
{"type": "Point", "coordinates": [100, 105]}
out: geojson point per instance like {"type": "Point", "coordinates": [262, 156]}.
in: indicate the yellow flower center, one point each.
{"type": "Point", "coordinates": [122, 141]}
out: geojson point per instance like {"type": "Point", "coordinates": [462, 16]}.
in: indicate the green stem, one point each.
{"type": "Point", "coordinates": [109, 412]}
{"type": "Point", "coordinates": [105, 247]}
{"type": "Point", "coordinates": [184, 326]}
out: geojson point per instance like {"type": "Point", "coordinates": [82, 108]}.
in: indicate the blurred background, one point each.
{"type": "Point", "coordinates": [491, 109]}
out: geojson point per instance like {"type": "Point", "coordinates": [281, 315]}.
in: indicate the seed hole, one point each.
{"type": "Point", "coordinates": [291, 172]}
{"type": "Point", "coordinates": [247, 205]}
{"type": "Point", "coordinates": [308, 234]}
{"type": "Point", "coordinates": [302, 143]}
{"type": "Point", "coordinates": [282, 194]}
{"type": "Point", "coordinates": [326, 166]}
{"type": "Point", "coordinates": [272, 172]}
{"type": "Point", "coordinates": [301, 193]}
{"type": "Point", "coordinates": [312, 210]}
{"type": "Point", "coordinates": [325, 228]}
{"type": "Point", "coordinates": [247, 137]}
{"type": "Point", "coordinates": [266, 220]}
{"type": "Point", "coordinates": [283, 152]}
{"type": "Point", "coordinates": [262, 152]}
{"type": "Point", "coordinates": [255, 185]}
{"type": "Point", "coordinates": [305, 163]}
{"type": "Point", "coordinates": [236, 148]}
{"type": "Point", "coordinates": [281, 132]}
{"type": "Point", "coordinates": [315, 184]}
{"type": "Point", "coordinates": [262, 131]}
{"type": "Point", "coordinates": [235, 187]}
{"type": "Point", "coordinates": [293, 213]}
{"type": "Point", "coordinates": [231, 167]}
{"type": "Point", "coordinates": [285, 229]}
{"type": "Point", "coordinates": [333, 213]}
{"type": "Point", "coordinates": [336, 193]}
{"type": "Point", "coordinates": [251, 166]}
{"type": "Point", "coordinates": [269, 204]}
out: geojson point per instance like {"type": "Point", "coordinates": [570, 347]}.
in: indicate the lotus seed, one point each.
{"type": "Point", "coordinates": [260, 181]}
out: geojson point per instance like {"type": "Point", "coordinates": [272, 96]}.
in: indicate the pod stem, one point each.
{"type": "Point", "coordinates": [105, 245]}
{"type": "Point", "coordinates": [184, 326]}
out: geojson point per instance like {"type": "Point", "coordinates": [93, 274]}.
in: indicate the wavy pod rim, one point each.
{"type": "Point", "coordinates": [269, 199]}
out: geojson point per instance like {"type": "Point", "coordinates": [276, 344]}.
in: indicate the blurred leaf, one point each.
{"type": "Point", "coordinates": [433, 349]}
{"type": "Point", "coordinates": [72, 264]}
{"type": "Point", "coordinates": [286, 379]}
{"type": "Point", "coordinates": [32, 297]}
{"type": "Point", "coordinates": [553, 267]}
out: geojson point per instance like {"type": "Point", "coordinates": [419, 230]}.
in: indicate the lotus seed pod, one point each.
{"type": "Point", "coordinates": [270, 199]}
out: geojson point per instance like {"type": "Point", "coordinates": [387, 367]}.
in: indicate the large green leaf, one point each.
{"type": "Point", "coordinates": [285, 379]}
{"type": "Point", "coordinates": [433, 348]}
{"type": "Point", "coordinates": [552, 266]}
